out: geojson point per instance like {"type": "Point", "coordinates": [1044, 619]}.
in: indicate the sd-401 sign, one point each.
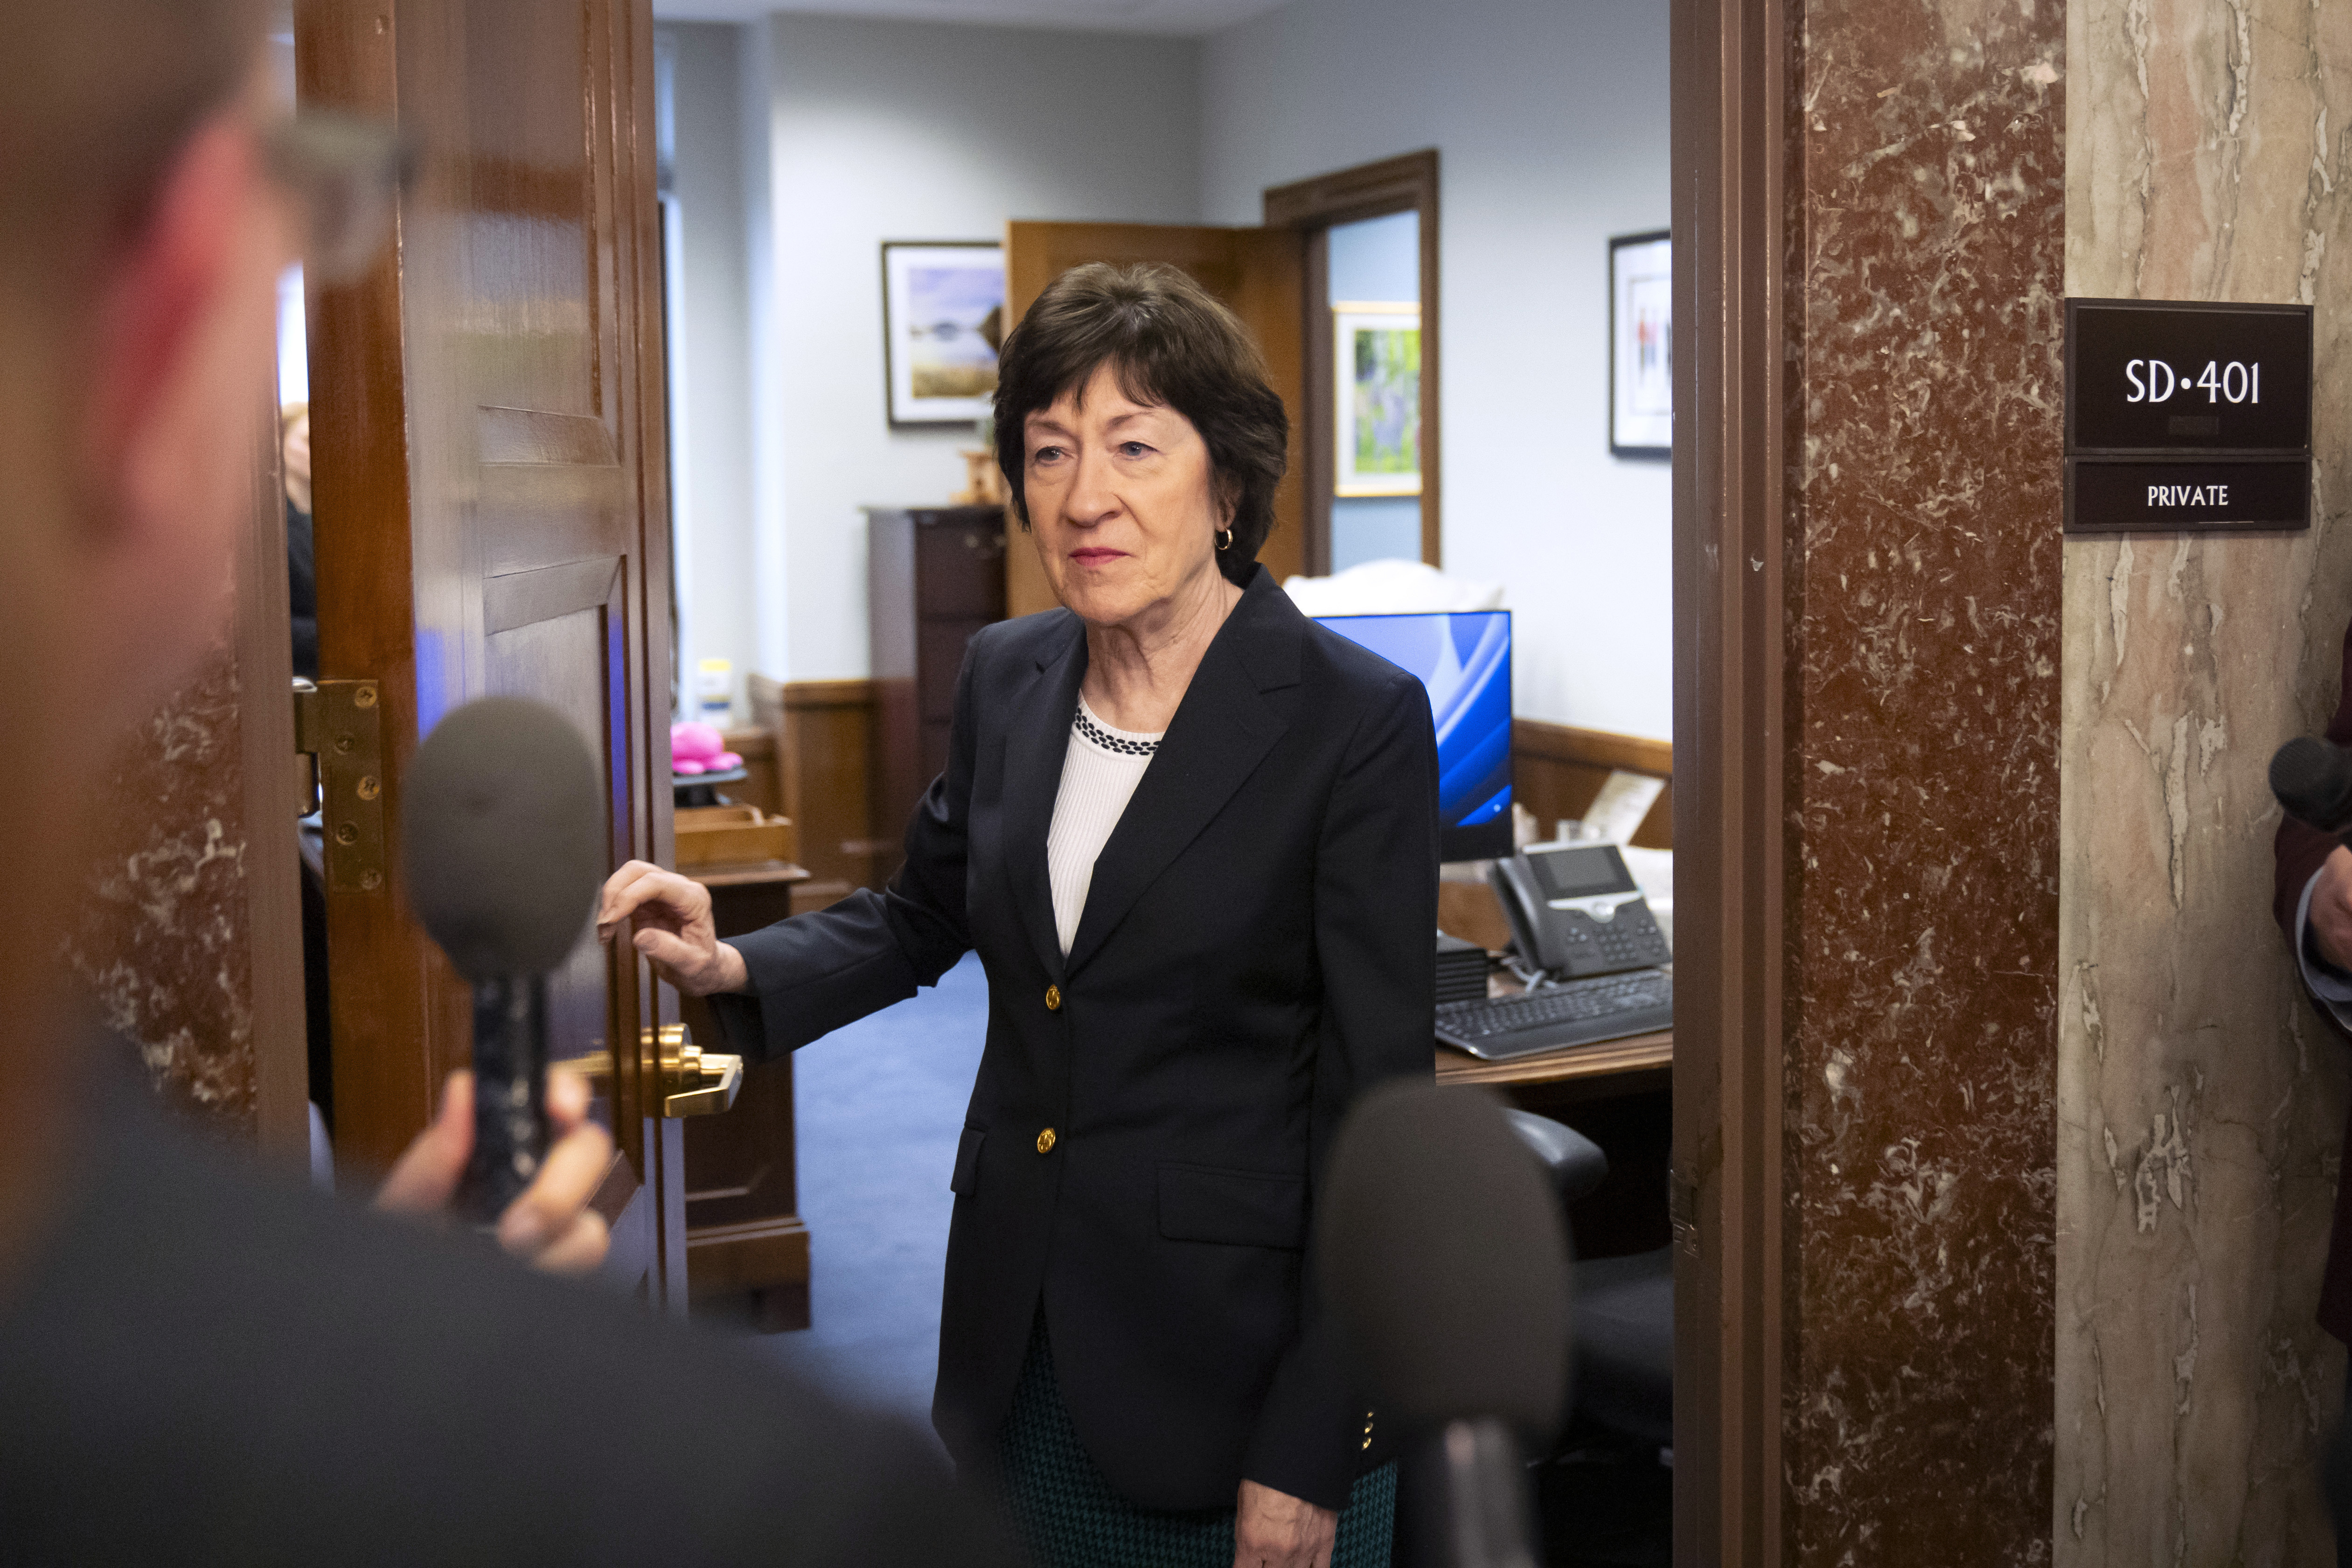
{"type": "Point", "coordinates": [2187, 416]}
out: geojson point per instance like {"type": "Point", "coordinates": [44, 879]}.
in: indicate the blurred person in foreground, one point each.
{"type": "Point", "coordinates": [200, 1361]}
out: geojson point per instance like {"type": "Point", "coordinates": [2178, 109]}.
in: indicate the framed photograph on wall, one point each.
{"type": "Point", "coordinates": [943, 318]}
{"type": "Point", "coordinates": [1376, 387]}
{"type": "Point", "coordinates": [1642, 345]}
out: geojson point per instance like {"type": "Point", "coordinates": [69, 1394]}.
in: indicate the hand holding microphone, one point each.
{"type": "Point", "coordinates": [550, 1226]}
{"type": "Point", "coordinates": [502, 826]}
{"type": "Point", "coordinates": [2312, 782]}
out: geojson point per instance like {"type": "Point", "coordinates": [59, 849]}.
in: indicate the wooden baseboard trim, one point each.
{"type": "Point", "coordinates": [1557, 770]}
{"type": "Point", "coordinates": [825, 771]}
{"type": "Point", "coordinates": [806, 694]}
{"type": "Point", "coordinates": [752, 744]}
{"type": "Point", "coordinates": [1592, 748]}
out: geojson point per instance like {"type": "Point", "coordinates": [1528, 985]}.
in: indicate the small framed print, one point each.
{"type": "Point", "coordinates": [1377, 386]}
{"type": "Point", "coordinates": [1642, 345]}
{"type": "Point", "coordinates": [943, 318]}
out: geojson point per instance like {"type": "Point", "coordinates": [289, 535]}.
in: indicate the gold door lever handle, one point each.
{"type": "Point", "coordinates": [693, 1082]}
{"type": "Point", "coordinates": [707, 1083]}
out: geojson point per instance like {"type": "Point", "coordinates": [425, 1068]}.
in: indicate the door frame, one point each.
{"type": "Point", "coordinates": [261, 643]}
{"type": "Point", "coordinates": [1732, 704]}
{"type": "Point", "coordinates": [1404, 184]}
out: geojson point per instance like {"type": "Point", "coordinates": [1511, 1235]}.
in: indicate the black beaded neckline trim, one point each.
{"type": "Point", "coordinates": [1110, 742]}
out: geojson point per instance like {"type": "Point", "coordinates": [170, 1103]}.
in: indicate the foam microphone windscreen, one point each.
{"type": "Point", "coordinates": [1445, 1260]}
{"type": "Point", "coordinates": [2313, 780]}
{"type": "Point", "coordinates": [502, 836]}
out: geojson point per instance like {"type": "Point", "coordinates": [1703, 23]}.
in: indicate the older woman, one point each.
{"type": "Point", "coordinates": [1193, 837]}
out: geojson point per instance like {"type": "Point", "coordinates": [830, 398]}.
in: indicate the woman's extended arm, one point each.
{"type": "Point", "coordinates": [1375, 908]}
{"type": "Point", "coordinates": [835, 966]}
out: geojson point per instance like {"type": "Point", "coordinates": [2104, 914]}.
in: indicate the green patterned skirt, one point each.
{"type": "Point", "coordinates": [1067, 1516]}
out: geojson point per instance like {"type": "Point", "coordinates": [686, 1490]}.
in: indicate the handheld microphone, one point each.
{"type": "Point", "coordinates": [1445, 1261]}
{"type": "Point", "coordinates": [502, 842]}
{"type": "Point", "coordinates": [2313, 780]}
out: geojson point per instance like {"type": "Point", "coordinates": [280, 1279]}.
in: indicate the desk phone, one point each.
{"type": "Point", "coordinates": [1575, 910]}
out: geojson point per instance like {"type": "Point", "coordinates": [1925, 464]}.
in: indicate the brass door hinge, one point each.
{"type": "Point", "coordinates": [339, 726]}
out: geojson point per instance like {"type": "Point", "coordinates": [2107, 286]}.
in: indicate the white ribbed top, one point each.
{"type": "Point", "coordinates": [1099, 772]}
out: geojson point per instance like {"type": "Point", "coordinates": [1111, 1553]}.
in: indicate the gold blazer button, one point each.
{"type": "Point", "coordinates": [1052, 998]}
{"type": "Point", "coordinates": [1046, 1142]}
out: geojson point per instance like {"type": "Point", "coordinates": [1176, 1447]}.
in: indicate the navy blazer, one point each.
{"type": "Point", "coordinates": [1152, 1112]}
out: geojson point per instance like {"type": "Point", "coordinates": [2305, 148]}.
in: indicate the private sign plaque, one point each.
{"type": "Point", "coordinates": [2186, 417]}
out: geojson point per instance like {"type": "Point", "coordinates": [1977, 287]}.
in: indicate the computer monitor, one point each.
{"type": "Point", "coordinates": [1464, 658]}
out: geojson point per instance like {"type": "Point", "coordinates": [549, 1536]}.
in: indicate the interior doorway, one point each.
{"type": "Point", "coordinates": [1370, 267]}
{"type": "Point", "coordinates": [1554, 140]}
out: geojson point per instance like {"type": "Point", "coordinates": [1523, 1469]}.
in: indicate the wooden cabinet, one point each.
{"type": "Point", "coordinates": [747, 1251]}
{"type": "Point", "coordinates": [934, 576]}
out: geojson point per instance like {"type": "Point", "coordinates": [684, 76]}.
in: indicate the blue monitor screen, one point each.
{"type": "Point", "coordinates": [1464, 658]}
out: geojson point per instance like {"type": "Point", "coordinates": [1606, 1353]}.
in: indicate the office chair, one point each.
{"type": "Point", "coordinates": [1602, 1493]}
{"type": "Point", "coordinates": [1623, 1364]}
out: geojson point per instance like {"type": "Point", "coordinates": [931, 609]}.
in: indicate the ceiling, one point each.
{"type": "Point", "coordinates": [1177, 18]}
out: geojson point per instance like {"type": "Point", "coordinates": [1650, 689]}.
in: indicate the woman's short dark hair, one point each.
{"type": "Point", "coordinates": [1172, 345]}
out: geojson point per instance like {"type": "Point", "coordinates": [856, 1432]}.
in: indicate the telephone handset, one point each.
{"type": "Point", "coordinates": [1575, 911]}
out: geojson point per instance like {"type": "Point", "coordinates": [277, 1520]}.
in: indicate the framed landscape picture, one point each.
{"type": "Point", "coordinates": [943, 318]}
{"type": "Point", "coordinates": [1642, 345]}
{"type": "Point", "coordinates": [1376, 394]}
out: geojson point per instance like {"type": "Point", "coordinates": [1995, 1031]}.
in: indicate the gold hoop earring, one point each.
{"type": "Point", "coordinates": [1224, 540]}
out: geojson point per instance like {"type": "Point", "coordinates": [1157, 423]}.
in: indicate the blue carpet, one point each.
{"type": "Point", "coordinates": [878, 1107]}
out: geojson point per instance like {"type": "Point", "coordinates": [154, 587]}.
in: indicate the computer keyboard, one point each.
{"type": "Point", "coordinates": [1577, 1013]}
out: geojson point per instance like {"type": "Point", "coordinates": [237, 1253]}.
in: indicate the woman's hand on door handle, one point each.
{"type": "Point", "coordinates": [551, 1226]}
{"type": "Point", "coordinates": [674, 928]}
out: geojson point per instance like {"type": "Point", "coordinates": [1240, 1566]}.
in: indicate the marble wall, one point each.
{"type": "Point", "coordinates": [1925, 259]}
{"type": "Point", "coordinates": [2209, 157]}
{"type": "Point", "coordinates": [187, 939]}
{"type": "Point", "coordinates": [161, 941]}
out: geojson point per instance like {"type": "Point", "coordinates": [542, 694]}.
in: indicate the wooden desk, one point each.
{"type": "Point", "coordinates": [1634, 1064]}
{"type": "Point", "coordinates": [1647, 1055]}
{"type": "Point", "coordinates": [1619, 1093]}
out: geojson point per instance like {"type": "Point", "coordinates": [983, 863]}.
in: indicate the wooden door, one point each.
{"type": "Point", "coordinates": [488, 438]}
{"type": "Point", "coordinates": [1259, 273]}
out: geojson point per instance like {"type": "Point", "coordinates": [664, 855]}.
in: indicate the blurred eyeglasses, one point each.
{"type": "Point", "coordinates": [348, 173]}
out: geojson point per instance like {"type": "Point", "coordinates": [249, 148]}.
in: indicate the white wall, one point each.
{"type": "Point", "coordinates": [1551, 121]}
{"type": "Point", "coordinates": [881, 131]}
{"type": "Point", "coordinates": [711, 415]}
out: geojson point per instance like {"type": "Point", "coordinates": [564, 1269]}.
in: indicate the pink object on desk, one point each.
{"type": "Point", "coordinates": [697, 749]}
